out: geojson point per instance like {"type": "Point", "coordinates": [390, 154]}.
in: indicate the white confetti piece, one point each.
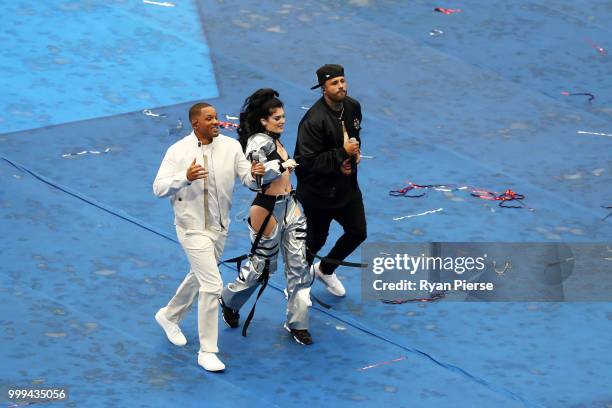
{"type": "Point", "coordinates": [55, 334]}
{"type": "Point", "coordinates": [157, 3]}
{"type": "Point", "coordinates": [575, 176]}
{"type": "Point", "coordinates": [108, 149]}
{"type": "Point", "coordinates": [149, 112]}
{"type": "Point", "coordinates": [418, 215]}
{"type": "Point", "coordinates": [581, 132]}
{"type": "Point", "coordinates": [105, 272]}
{"type": "Point", "coordinates": [381, 364]}
{"type": "Point", "coordinates": [91, 326]}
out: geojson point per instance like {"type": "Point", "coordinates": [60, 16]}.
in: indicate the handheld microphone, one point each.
{"type": "Point", "coordinates": [258, 178]}
{"type": "Point", "coordinates": [353, 160]}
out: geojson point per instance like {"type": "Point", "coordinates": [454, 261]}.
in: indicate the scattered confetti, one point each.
{"type": "Point", "coordinates": [418, 215]}
{"type": "Point", "coordinates": [507, 195]}
{"type": "Point", "coordinates": [176, 129]}
{"type": "Point", "coordinates": [575, 176]}
{"type": "Point", "coordinates": [228, 125]}
{"type": "Point", "coordinates": [381, 364]}
{"type": "Point", "coordinates": [599, 49]}
{"type": "Point", "coordinates": [157, 3]}
{"type": "Point", "coordinates": [149, 112]}
{"type": "Point", "coordinates": [590, 95]}
{"type": "Point", "coordinates": [275, 29]}
{"type": "Point", "coordinates": [91, 326]}
{"type": "Point", "coordinates": [59, 334]}
{"type": "Point", "coordinates": [504, 198]}
{"type": "Point", "coordinates": [582, 132]}
{"type": "Point", "coordinates": [108, 149]}
{"type": "Point", "coordinates": [507, 266]}
{"type": "Point", "coordinates": [105, 272]}
{"type": "Point", "coordinates": [447, 11]}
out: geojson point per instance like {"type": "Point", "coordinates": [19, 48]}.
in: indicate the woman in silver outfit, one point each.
{"type": "Point", "coordinates": [276, 222]}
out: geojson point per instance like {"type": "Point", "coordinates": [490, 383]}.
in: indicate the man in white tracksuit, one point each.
{"type": "Point", "coordinates": [198, 174]}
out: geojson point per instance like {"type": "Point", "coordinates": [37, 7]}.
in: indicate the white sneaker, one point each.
{"type": "Point", "coordinates": [334, 286]}
{"type": "Point", "coordinates": [173, 331]}
{"type": "Point", "coordinates": [210, 361]}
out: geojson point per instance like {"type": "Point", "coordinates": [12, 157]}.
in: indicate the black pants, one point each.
{"type": "Point", "coordinates": [351, 217]}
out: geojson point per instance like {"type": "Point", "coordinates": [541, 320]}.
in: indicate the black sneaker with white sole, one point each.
{"type": "Point", "coordinates": [301, 336]}
{"type": "Point", "coordinates": [230, 316]}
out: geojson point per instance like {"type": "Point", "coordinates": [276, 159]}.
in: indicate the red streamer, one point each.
{"type": "Point", "coordinates": [228, 125]}
{"type": "Point", "coordinates": [447, 11]}
{"type": "Point", "coordinates": [504, 199]}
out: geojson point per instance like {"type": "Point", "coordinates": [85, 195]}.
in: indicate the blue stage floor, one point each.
{"type": "Point", "coordinates": [88, 254]}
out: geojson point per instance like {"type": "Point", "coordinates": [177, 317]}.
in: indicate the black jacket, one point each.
{"type": "Point", "coordinates": [319, 151]}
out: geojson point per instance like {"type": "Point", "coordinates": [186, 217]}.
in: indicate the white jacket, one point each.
{"type": "Point", "coordinates": [262, 146]}
{"type": "Point", "coordinates": [187, 198]}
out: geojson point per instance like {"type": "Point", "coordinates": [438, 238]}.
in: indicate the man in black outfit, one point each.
{"type": "Point", "coordinates": [327, 150]}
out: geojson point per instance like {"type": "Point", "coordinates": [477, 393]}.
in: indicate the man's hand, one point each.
{"type": "Point", "coordinates": [351, 148]}
{"type": "Point", "coordinates": [195, 171]}
{"type": "Point", "coordinates": [257, 169]}
{"type": "Point", "coordinates": [346, 167]}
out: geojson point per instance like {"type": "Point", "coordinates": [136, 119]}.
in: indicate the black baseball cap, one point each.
{"type": "Point", "coordinates": [328, 71]}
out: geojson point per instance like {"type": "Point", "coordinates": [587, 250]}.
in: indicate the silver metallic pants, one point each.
{"type": "Point", "coordinates": [289, 236]}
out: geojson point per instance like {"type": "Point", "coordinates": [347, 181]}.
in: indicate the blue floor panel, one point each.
{"type": "Point", "coordinates": [88, 253]}
{"type": "Point", "coordinates": [87, 311]}
{"type": "Point", "coordinates": [64, 62]}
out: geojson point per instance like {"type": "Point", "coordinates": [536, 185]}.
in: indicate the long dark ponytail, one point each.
{"type": "Point", "coordinates": [256, 107]}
